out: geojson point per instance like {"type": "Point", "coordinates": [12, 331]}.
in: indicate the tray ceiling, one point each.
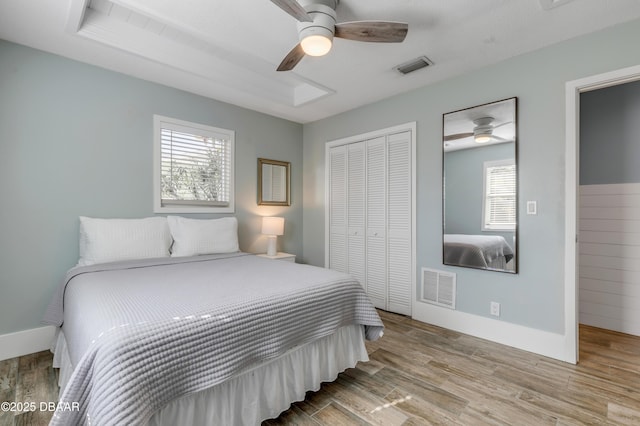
{"type": "Point", "coordinates": [229, 50]}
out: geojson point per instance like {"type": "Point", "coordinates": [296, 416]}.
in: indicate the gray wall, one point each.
{"type": "Point", "coordinates": [535, 296]}
{"type": "Point", "coordinates": [609, 129]}
{"type": "Point", "coordinates": [77, 140]}
{"type": "Point", "coordinates": [463, 171]}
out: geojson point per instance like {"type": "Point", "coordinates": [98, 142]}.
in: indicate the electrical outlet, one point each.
{"type": "Point", "coordinates": [495, 309]}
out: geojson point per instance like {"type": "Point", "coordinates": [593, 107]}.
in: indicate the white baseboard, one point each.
{"type": "Point", "coordinates": [26, 342]}
{"type": "Point", "coordinates": [541, 342]}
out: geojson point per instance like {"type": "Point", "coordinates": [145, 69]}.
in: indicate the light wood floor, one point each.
{"type": "Point", "coordinates": [421, 374]}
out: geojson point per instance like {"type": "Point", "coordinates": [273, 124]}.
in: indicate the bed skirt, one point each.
{"type": "Point", "coordinates": [257, 394]}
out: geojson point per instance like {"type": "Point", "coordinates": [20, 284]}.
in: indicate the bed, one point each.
{"type": "Point", "coordinates": [228, 338]}
{"type": "Point", "coordinates": [477, 251]}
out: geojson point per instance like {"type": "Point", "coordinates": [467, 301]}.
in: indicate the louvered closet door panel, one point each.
{"type": "Point", "coordinates": [376, 245]}
{"type": "Point", "coordinates": [399, 222]}
{"type": "Point", "coordinates": [377, 272]}
{"type": "Point", "coordinates": [338, 209]}
{"type": "Point", "coordinates": [356, 187]}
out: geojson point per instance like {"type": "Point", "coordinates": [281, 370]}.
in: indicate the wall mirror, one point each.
{"type": "Point", "coordinates": [480, 187]}
{"type": "Point", "coordinates": [273, 182]}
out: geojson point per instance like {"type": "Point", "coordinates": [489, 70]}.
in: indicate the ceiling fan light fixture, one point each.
{"type": "Point", "coordinates": [316, 38]}
{"type": "Point", "coordinates": [483, 132]}
{"type": "Point", "coordinates": [482, 138]}
{"type": "Point", "coordinates": [316, 45]}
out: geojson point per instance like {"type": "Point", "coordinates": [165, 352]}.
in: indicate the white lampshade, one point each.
{"type": "Point", "coordinates": [273, 225]}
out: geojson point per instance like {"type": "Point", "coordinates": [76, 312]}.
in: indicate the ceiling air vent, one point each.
{"type": "Point", "coordinates": [414, 65]}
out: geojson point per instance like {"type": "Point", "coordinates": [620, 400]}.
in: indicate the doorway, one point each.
{"type": "Point", "coordinates": [572, 179]}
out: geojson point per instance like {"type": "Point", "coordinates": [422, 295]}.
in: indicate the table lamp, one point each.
{"type": "Point", "coordinates": [272, 227]}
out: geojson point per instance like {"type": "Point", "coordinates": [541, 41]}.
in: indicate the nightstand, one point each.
{"type": "Point", "coordinates": [280, 256]}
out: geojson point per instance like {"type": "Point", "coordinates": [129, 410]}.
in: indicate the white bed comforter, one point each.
{"type": "Point", "coordinates": [141, 334]}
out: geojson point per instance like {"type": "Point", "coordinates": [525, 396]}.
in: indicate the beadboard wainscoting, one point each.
{"type": "Point", "coordinates": [609, 256]}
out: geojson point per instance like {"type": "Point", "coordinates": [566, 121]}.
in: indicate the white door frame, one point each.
{"type": "Point", "coordinates": [572, 171]}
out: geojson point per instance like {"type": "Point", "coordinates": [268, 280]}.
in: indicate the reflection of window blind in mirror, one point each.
{"type": "Point", "coordinates": [500, 195]}
{"type": "Point", "coordinates": [278, 179]}
{"type": "Point", "coordinates": [274, 183]}
{"type": "Point", "coordinates": [267, 193]}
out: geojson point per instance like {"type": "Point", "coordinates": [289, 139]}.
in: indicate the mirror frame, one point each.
{"type": "Point", "coordinates": [287, 165]}
{"type": "Point", "coordinates": [517, 201]}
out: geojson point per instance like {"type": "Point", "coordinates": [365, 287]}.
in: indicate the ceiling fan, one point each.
{"type": "Point", "coordinates": [317, 27]}
{"type": "Point", "coordinates": [482, 132]}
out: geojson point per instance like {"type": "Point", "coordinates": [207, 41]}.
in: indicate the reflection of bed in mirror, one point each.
{"type": "Point", "coordinates": [477, 251]}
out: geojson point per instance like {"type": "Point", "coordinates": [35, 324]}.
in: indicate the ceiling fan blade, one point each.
{"type": "Point", "coordinates": [457, 136]}
{"type": "Point", "coordinates": [500, 139]}
{"type": "Point", "coordinates": [293, 8]}
{"type": "Point", "coordinates": [292, 59]}
{"type": "Point", "coordinates": [503, 124]}
{"type": "Point", "coordinates": [374, 31]}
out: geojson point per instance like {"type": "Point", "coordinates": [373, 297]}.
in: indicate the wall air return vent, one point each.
{"type": "Point", "coordinates": [414, 65]}
{"type": "Point", "coordinates": [438, 288]}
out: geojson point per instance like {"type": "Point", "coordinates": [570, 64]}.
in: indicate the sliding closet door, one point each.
{"type": "Point", "coordinates": [377, 222]}
{"type": "Point", "coordinates": [338, 209]}
{"type": "Point", "coordinates": [399, 231]}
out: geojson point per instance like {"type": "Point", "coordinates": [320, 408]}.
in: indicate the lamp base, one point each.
{"type": "Point", "coordinates": [271, 245]}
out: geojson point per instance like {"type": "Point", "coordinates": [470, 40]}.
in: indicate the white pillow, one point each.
{"type": "Point", "coordinates": [110, 240]}
{"type": "Point", "coordinates": [192, 237]}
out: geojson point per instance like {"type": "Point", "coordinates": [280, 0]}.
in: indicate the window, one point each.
{"type": "Point", "coordinates": [193, 167]}
{"type": "Point", "coordinates": [499, 210]}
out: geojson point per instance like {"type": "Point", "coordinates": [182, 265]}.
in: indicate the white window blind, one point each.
{"type": "Point", "coordinates": [499, 211]}
{"type": "Point", "coordinates": [194, 167]}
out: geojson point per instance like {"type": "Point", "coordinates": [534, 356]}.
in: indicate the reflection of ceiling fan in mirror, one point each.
{"type": "Point", "coordinates": [482, 131]}
{"type": "Point", "coordinates": [317, 27]}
